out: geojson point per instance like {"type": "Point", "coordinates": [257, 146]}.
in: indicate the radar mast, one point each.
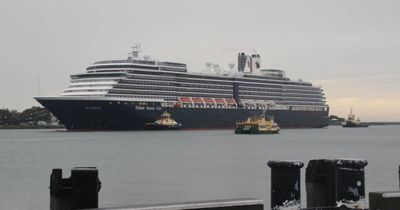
{"type": "Point", "coordinates": [135, 51]}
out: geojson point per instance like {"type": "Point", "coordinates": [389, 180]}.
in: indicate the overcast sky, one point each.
{"type": "Point", "coordinates": [350, 48]}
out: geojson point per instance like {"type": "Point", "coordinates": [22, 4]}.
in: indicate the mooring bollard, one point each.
{"type": "Point", "coordinates": [335, 183]}
{"type": "Point", "coordinates": [80, 191]}
{"type": "Point", "coordinates": [60, 191]}
{"type": "Point", "coordinates": [285, 184]}
{"type": "Point", "coordinates": [85, 187]}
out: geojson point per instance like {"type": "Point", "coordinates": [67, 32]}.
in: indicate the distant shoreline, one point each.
{"type": "Point", "coordinates": [31, 126]}
{"type": "Point", "coordinates": [374, 123]}
{"type": "Point", "coordinates": [383, 123]}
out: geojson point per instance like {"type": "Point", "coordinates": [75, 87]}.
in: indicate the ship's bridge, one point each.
{"type": "Point", "coordinates": [136, 62]}
{"type": "Point", "coordinates": [273, 73]}
{"type": "Point", "coordinates": [118, 65]}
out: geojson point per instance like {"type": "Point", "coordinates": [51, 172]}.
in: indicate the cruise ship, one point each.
{"type": "Point", "coordinates": [127, 94]}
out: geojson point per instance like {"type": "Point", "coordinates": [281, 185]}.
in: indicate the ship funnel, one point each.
{"type": "Point", "coordinates": [244, 62]}
{"type": "Point", "coordinates": [249, 64]}
{"type": "Point", "coordinates": [255, 66]}
{"type": "Point", "coordinates": [146, 57]}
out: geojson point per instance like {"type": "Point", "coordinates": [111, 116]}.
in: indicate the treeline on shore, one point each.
{"type": "Point", "coordinates": [34, 117]}
{"type": "Point", "coordinates": [335, 120]}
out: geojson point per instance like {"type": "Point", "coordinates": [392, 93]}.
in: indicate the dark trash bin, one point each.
{"type": "Point", "coordinates": [336, 182]}
{"type": "Point", "coordinates": [285, 183]}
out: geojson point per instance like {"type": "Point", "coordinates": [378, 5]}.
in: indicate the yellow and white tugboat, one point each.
{"type": "Point", "coordinates": [257, 125]}
{"type": "Point", "coordinates": [351, 122]}
{"type": "Point", "coordinates": [164, 123]}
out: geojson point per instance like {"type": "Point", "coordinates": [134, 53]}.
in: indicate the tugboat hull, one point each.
{"type": "Point", "coordinates": [363, 125]}
{"type": "Point", "coordinates": [254, 131]}
{"type": "Point", "coordinates": [153, 126]}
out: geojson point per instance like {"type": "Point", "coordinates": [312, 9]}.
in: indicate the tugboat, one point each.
{"type": "Point", "coordinates": [351, 122]}
{"type": "Point", "coordinates": [257, 125]}
{"type": "Point", "coordinates": [164, 123]}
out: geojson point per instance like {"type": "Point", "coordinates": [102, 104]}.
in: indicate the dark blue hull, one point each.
{"type": "Point", "coordinates": [120, 115]}
{"type": "Point", "coordinates": [353, 125]}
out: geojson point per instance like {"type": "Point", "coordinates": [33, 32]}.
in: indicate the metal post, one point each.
{"type": "Point", "coordinates": [60, 191]}
{"type": "Point", "coordinates": [285, 184]}
{"type": "Point", "coordinates": [85, 187]}
{"type": "Point", "coordinates": [80, 191]}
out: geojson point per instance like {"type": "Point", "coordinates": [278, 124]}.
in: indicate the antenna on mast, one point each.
{"type": "Point", "coordinates": [38, 85]}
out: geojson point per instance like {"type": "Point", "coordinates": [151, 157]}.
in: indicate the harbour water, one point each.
{"type": "Point", "coordinates": [142, 167]}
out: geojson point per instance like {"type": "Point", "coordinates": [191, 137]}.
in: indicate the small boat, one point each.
{"type": "Point", "coordinates": [164, 123]}
{"type": "Point", "coordinates": [351, 122]}
{"type": "Point", "coordinates": [263, 124]}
